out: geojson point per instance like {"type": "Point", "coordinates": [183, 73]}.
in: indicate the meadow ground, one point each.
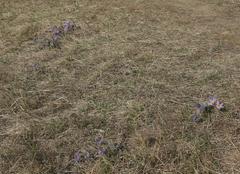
{"type": "Point", "coordinates": [119, 94]}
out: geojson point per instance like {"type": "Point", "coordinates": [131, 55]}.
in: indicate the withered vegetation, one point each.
{"type": "Point", "coordinates": [118, 94]}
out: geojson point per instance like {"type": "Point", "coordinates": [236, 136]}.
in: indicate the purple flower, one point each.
{"type": "Point", "coordinates": [219, 105]}
{"type": "Point", "coordinates": [56, 30]}
{"type": "Point", "coordinates": [212, 101]}
{"type": "Point", "coordinates": [68, 26]}
{"type": "Point", "coordinates": [82, 156]}
{"type": "Point", "coordinates": [77, 157]}
{"type": "Point", "coordinates": [102, 151]}
{"type": "Point", "coordinates": [35, 66]}
{"type": "Point", "coordinates": [99, 141]}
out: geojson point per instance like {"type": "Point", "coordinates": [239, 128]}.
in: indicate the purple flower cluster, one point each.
{"type": "Point", "coordinates": [82, 156]}
{"type": "Point", "coordinates": [214, 102]}
{"type": "Point", "coordinates": [202, 108]}
{"type": "Point", "coordinates": [104, 148]}
{"type": "Point", "coordinates": [101, 146]}
{"type": "Point", "coordinates": [59, 31]}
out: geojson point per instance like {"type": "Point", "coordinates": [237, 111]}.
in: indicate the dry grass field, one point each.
{"type": "Point", "coordinates": [117, 95]}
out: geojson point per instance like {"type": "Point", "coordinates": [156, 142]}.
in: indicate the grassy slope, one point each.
{"type": "Point", "coordinates": [132, 68]}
